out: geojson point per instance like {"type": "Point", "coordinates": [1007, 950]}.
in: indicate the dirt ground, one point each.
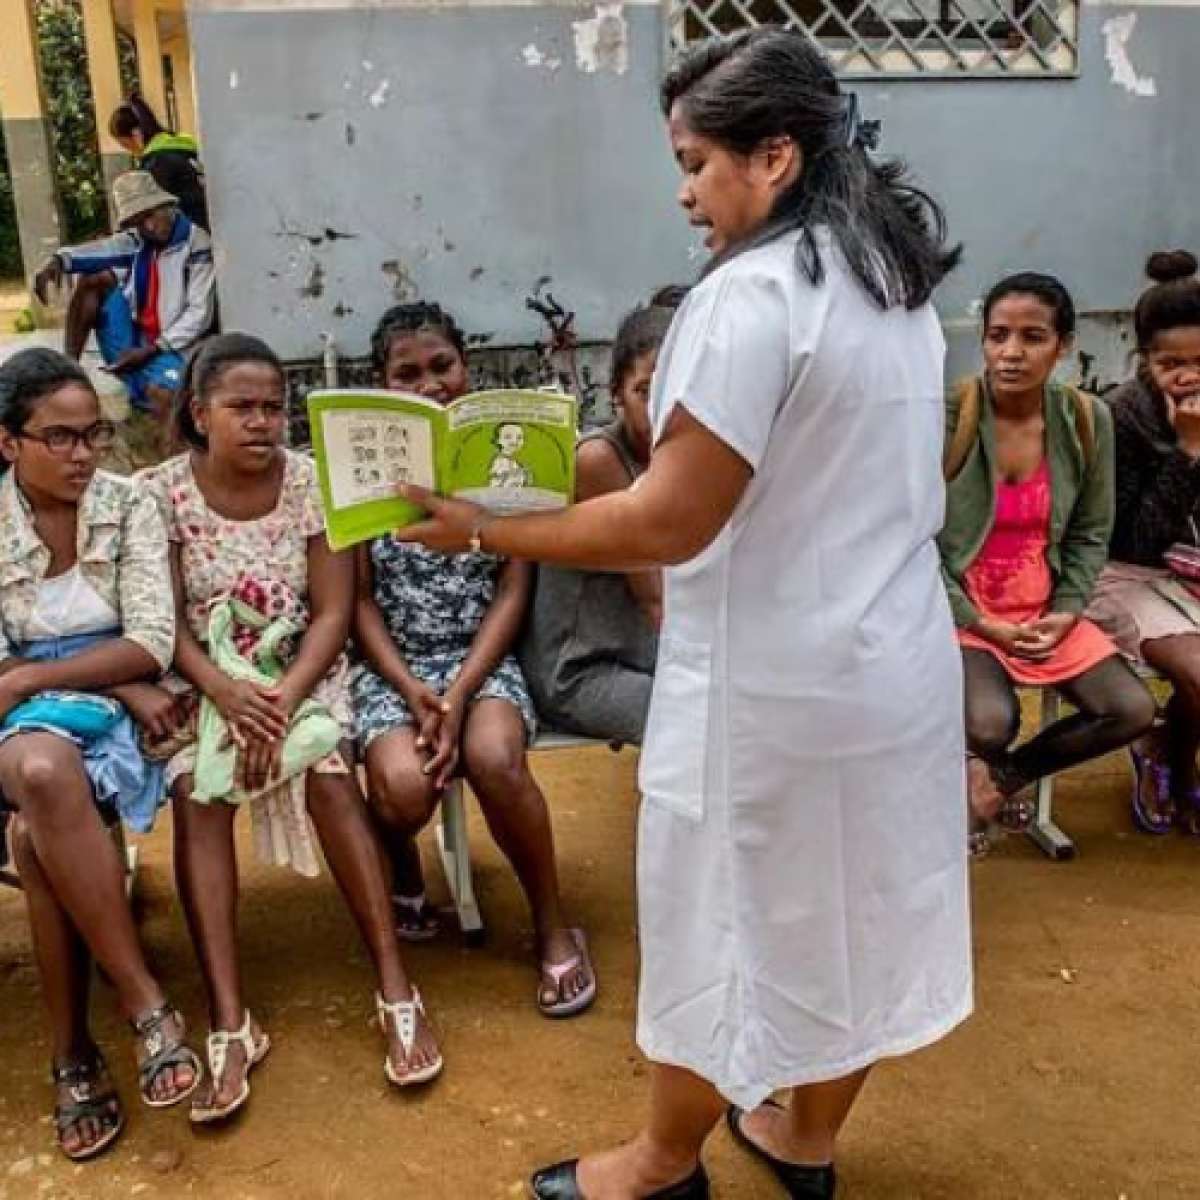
{"type": "Point", "coordinates": [1077, 1078]}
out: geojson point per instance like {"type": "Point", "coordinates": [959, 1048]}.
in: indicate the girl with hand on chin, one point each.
{"type": "Point", "coordinates": [1155, 617]}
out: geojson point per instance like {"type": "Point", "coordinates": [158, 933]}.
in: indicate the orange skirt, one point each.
{"type": "Point", "coordinates": [1083, 648]}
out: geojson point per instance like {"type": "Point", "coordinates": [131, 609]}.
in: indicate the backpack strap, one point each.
{"type": "Point", "coordinates": [1085, 422]}
{"type": "Point", "coordinates": [966, 431]}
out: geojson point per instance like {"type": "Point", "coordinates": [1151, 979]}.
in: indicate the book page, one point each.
{"type": "Point", "coordinates": [370, 451]}
{"type": "Point", "coordinates": [512, 451]}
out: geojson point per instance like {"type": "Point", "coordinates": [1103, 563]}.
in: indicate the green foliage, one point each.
{"type": "Point", "coordinates": [73, 122]}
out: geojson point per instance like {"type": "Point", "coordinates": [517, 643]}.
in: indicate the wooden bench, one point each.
{"type": "Point", "coordinates": [453, 845]}
{"type": "Point", "coordinates": [1045, 833]}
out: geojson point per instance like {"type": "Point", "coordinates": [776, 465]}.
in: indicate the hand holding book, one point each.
{"type": "Point", "coordinates": [450, 526]}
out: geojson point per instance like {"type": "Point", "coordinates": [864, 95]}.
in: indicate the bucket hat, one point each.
{"type": "Point", "coordinates": [135, 193]}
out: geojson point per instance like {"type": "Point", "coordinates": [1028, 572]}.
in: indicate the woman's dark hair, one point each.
{"type": "Point", "coordinates": [769, 83]}
{"type": "Point", "coordinates": [208, 361]}
{"type": "Point", "coordinates": [135, 116]}
{"type": "Point", "coordinates": [1044, 288]}
{"type": "Point", "coordinates": [640, 332]}
{"type": "Point", "coordinates": [413, 318]}
{"type": "Point", "coordinates": [1173, 298]}
{"type": "Point", "coordinates": [31, 375]}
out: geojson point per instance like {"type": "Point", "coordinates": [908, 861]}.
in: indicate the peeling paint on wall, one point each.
{"type": "Point", "coordinates": [1118, 32]}
{"type": "Point", "coordinates": [602, 41]}
{"type": "Point", "coordinates": [404, 287]}
{"type": "Point", "coordinates": [315, 286]}
{"type": "Point", "coordinates": [535, 57]}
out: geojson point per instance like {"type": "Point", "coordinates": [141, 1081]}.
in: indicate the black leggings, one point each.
{"type": "Point", "coordinates": [1113, 708]}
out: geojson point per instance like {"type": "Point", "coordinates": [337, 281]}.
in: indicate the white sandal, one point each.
{"type": "Point", "coordinates": [403, 1015]}
{"type": "Point", "coordinates": [217, 1047]}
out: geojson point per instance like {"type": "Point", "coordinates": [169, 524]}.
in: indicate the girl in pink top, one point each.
{"type": "Point", "coordinates": [1015, 635]}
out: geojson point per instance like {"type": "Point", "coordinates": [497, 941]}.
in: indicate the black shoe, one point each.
{"type": "Point", "coordinates": [802, 1183]}
{"type": "Point", "coordinates": [559, 1183]}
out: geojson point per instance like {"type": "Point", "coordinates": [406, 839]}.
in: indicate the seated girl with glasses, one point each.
{"type": "Point", "coordinates": [85, 619]}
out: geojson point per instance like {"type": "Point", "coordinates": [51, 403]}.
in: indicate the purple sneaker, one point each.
{"type": "Point", "coordinates": [1153, 805]}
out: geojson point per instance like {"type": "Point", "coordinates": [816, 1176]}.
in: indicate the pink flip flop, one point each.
{"type": "Point", "coordinates": [557, 972]}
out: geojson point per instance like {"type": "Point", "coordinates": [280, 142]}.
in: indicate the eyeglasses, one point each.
{"type": "Point", "coordinates": [62, 439]}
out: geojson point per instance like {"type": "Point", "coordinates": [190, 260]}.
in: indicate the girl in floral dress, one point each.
{"type": "Point", "coordinates": [244, 518]}
{"type": "Point", "coordinates": [439, 687]}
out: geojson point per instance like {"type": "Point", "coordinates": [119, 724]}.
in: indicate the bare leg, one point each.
{"type": "Point", "coordinates": [356, 859]}
{"type": "Point", "coordinates": [64, 967]}
{"type": "Point", "coordinates": [404, 860]}
{"type": "Point", "coordinates": [64, 972]}
{"type": "Point", "coordinates": [206, 878]}
{"type": "Point", "coordinates": [42, 776]}
{"type": "Point", "coordinates": [683, 1110]}
{"type": "Point", "coordinates": [403, 797]}
{"type": "Point", "coordinates": [403, 800]}
{"type": "Point", "coordinates": [84, 309]}
{"type": "Point", "coordinates": [517, 816]}
{"type": "Point", "coordinates": [806, 1131]}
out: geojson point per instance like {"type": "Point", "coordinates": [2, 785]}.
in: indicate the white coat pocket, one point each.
{"type": "Point", "coordinates": [674, 760]}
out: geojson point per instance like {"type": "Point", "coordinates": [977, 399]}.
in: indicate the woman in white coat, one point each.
{"type": "Point", "coordinates": [802, 879]}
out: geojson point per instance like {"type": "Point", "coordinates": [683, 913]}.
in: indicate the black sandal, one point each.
{"type": "Point", "coordinates": [164, 1052]}
{"type": "Point", "coordinates": [91, 1100]}
{"type": "Point", "coordinates": [801, 1182]}
{"type": "Point", "coordinates": [560, 1182]}
{"type": "Point", "coordinates": [416, 918]}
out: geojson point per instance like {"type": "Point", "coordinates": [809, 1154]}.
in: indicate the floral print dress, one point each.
{"type": "Point", "coordinates": [217, 554]}
{"type": "Point", "coordinates": [433, 605]}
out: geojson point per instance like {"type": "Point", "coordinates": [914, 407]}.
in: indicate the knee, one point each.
{"type": "Point", "coordinates": [403, 797]}
{"type": "Point", "coordinates": [498, 770]}
{"type": "Point", "coordinates": [47, 776]}
{"type": "Point", "coordinates": [991, 728]}
{"type": "Point", "coordinates": [1134, 712]}
{"type": "Point", "coordinates": [95, 286]}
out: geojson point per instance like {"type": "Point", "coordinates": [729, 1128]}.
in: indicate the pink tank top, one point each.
{"type": "Point", "coordinates": [1010, 579]}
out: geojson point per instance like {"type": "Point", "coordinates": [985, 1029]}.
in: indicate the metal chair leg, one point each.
{"type": "Point", "coordinates": [1044, 833]}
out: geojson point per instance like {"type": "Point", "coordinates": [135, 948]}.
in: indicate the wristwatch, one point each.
{"type": "Point", "coordinates": [475, 541]}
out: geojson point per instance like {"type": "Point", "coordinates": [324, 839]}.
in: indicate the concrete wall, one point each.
{"type": "Point", "coordinates": [362, 153]}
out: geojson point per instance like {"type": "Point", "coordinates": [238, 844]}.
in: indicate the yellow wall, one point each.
{"type": "Point", "coordinates": [20, 80]}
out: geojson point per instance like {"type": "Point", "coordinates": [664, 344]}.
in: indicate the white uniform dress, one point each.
{"type": "Point", "coordinates": [802, 873]}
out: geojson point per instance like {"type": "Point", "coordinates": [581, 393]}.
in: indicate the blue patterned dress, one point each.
{"type": "Point", "coordinates": [433, 605]}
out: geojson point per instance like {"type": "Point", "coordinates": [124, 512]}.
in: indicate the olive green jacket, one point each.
{"type": "Point", "coordinates": [1082, 484]}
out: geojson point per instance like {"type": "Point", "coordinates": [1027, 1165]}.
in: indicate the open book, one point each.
{"type": "Point", "coordinates": [510, 451]}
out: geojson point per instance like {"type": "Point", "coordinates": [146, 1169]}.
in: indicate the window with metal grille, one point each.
{"type": "Point", "coordinates": [872, 38]}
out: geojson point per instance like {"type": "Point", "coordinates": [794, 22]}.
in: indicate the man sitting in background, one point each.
{"type": "Point", "coordinates": [147, 292]}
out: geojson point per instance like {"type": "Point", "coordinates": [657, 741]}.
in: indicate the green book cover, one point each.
{"type": "Point", "coordinates": [511, 451]}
